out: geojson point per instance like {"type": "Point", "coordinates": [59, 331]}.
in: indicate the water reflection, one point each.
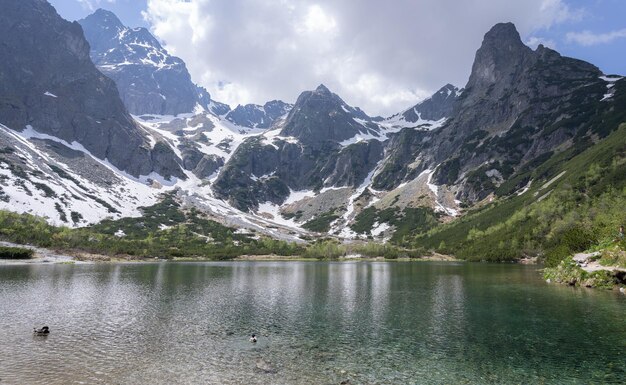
{"type": "Point", "coordinates": [380, 323]}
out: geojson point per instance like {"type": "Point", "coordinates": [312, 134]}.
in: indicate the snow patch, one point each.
{"type": "Point", "coordinates": [439, 207]}
{"type": "Point", "coordinates": [398, 122]}
{"type": "Point", "coordinates": [525, 188]}
{"type": "Point", "coordinates": [610, 84]}
{"type": "Point", "coordinates": [296, 196]}
{"type": "Point", "coordinates": [379, 229]}
{"type": "Point", "coordinates": [360, 137]}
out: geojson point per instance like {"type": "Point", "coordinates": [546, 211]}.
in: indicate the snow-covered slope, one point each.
{"type": "Point", "coordinates": [47, 177]}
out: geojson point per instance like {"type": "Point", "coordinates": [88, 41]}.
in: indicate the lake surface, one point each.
{"type": "Point", "coordinates": [318, 323]}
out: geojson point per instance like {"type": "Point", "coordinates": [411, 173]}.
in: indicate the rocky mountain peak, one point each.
{"type": "Point", "coordinates": [503, 33]}
{"type": "Point", "coordinates": [322, 89]}
{"type": "Point", "coordinates": [320, 115]}
{"type": "Point", "coordinates": [106, 18]}
{"type": "Point", "coordinates": [501, 55]}
{"type": "Point", "coordinates": [149, 79]}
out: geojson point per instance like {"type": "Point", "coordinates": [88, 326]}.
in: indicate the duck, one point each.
{"type": "Point", "coordinates": [253, 338]}
{"type": "Point", "coordinates": [42, 332]}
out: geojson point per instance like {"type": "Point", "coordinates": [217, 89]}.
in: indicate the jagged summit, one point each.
{"type": "Point", "coordinates": [499, 57]}
{"type": "Point", "coordinates": [323, 89]}
{"type": "Point", "coordinates": [149, 79]}
{"type": "Point", "coordinates": [511, 111]}
{"type": "Point", "coordinates": [106, 17]}
{"type": "Point", "coordinates": [257, 116]}
{"type": "Point", "coordinates": [503, 32]}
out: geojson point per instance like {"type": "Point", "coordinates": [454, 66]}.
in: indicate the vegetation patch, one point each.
{"type": "Point", "coordinates": [47, 191]}
{"type": "Point", "coordinates": [15, 253]}
{"type": "Point", "coordinates": [59, 209]}
{"type": "Point", "coordinates": [63, 174]}
{"type": "Point", "coordinates": [569, 273]}
{"type": "Point", "coordinates": [165, 231]}
{"type": "Point", "coordinates": [106, 205]}
{"type": "Point", "coordinates": [333, 249]}
{"type": "Point", "coordinates": [321, 223]}
{"type": "Point", "coordinates": [408, 222]}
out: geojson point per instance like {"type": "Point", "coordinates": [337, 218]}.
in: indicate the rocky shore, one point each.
{"type": "Point", "coordinates": [593, 270]}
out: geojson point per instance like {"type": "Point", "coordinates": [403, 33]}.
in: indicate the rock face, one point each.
{"type": "Point", "coordinates": [314, 147]}
{"type": "Point", "coordinates": [437, 107]}
{"type": "Point", "coordinates": [149, 79]}
{"type": "Point", "coordinates": [518, 106]}
{"type": "Point", "coordinates": [255, 116]}
{"type": "Point", "coordinates": [48, 82]}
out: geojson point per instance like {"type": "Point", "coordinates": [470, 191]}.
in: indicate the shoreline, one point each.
{"type": "Point", "coordinates": [45, 256]}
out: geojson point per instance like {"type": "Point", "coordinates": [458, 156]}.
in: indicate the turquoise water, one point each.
{"type": "Point", "coordinates": [318, 323]}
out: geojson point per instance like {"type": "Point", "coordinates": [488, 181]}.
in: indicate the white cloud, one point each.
{"type": "Point", "coordinates": [534, 41]}
{"type": "Point", "coordinates": [556, 11]}
{"type": "Point", "coordinates": [588, 38]}
{"type": "Point", "coordinates": [377, 55]}
{"type": "Point", "coordinates": [317, 20]}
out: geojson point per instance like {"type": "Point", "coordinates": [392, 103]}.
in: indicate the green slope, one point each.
{"type": "Point", "coordinates": [582, 207]}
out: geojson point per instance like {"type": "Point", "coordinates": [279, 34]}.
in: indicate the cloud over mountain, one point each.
{"type": "Point", "coordinates": [378, 55]}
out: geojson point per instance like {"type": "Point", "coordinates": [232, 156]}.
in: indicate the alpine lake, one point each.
{"type": "Point", "coordinates": [316, 322]}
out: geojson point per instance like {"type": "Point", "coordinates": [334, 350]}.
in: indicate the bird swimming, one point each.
{"type": "Point", "coordinates": [43, 331]}
{"type": "Point", "coordinates": [253, 338]}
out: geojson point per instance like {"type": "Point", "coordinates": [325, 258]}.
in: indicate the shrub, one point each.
{"type": "Point", "coordinates": [15, 253]}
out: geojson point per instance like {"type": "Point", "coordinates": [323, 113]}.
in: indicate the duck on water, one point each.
{"type": "Point", "coordinates": [41, 332]}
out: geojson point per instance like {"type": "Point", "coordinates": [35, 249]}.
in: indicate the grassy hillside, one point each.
{"type": "Point", "coordinates": [577, 199]}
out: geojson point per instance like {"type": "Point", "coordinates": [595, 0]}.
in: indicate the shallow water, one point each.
{"type": "Point", "coordinates": [319, 323]}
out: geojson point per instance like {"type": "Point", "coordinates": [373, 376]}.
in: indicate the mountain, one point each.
{"type": "Point", "coordinates": [321, 116]}
{"type": "Point", "coordinates": [48, 85]}
{"type": "Point", "coordinates": [518, 107]}
{"type": "Point", "coordinates": [322, 143]}
{"type": "Point", "coordinates": [256, 116]}
{"type": "Point", "coordinates": [149, 79]}
{"type": "Point", "coordinates": [529, 128]}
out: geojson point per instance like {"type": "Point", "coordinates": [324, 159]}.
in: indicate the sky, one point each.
{"type": "Point", "coordinates": [382, 56]}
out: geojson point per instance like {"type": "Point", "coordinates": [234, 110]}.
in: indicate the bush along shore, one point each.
{"type": "Point", "coordinates": [15, 253]}
{"type": "Point", "coordinates": [604, 269]}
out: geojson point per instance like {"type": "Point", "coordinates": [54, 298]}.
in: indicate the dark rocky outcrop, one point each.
{"type": "Point", "coordinates": [202, 165]}
{"type": "Point", "coordinates": [47, 81]}
{"type": "Point", "coordinates": [256, 116]}
{"type": "Point", "coordinates": [149, 79]}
